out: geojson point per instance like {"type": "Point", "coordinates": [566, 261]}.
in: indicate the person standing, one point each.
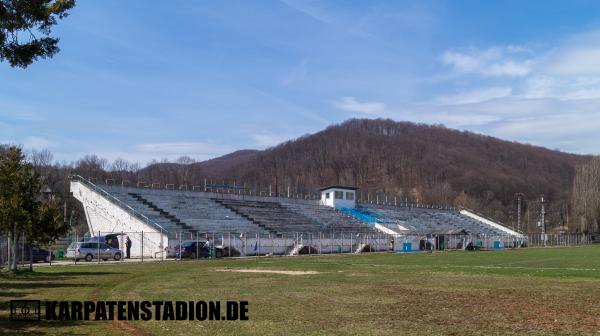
{"type": "Point", "coordinates": [128, 246]}
{"type": "Point", "coordinates": [208, 245]}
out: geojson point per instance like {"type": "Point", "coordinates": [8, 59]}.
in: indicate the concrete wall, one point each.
{"type": "Point", "coordinates": [105, 216]}
{"type": "Point", "coordinates": [252, 246]}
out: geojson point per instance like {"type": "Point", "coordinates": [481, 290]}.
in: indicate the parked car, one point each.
{"type": "Point", "coordinates": [173, 250]}
{"type": "Point", "coordinates": [193, 250]}
{"type": "Point", "coordinates": [111, 239]}
{"type": "Point", "coordinates": [89, 251]}
{"type": "Point", "coordinates": [38, 254]}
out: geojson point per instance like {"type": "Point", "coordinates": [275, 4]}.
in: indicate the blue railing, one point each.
{"type": "Point", "coordinates": [362, 215]}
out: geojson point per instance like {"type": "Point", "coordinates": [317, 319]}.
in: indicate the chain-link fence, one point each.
{"type": "Point", "coordinates": [22, 253]}
{"type": "Point", "coordinates": [561, 239]}
{"type": "Point", "coordinates": [153, 246]}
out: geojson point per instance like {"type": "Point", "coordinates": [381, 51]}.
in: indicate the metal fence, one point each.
{"type": "Point", "coordinates": [153, 246]}
{"type": "Point", "coordinates": [26, 254]}
{"type": "Point", "coordinates": [560, 239]}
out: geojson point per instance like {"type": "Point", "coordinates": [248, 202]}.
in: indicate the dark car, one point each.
{"type": "Point", "coordinates": [193, 250]}
{"type": "Point", "coordinates": [37, 254]}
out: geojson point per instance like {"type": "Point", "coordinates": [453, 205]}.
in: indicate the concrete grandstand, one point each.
{"type": "Point", "coordinates": [157, 218]}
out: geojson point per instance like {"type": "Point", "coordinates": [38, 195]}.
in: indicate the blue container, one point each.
{"type": "Point", "coordinates": [497, 244]}
{"type": "Point", "coordinates": [407, 247]}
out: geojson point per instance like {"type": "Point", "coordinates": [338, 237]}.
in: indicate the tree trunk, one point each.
{"type": "Point", "coordinates": [14, 237]}
{"type": "Point", "coordinates": [30, 257]}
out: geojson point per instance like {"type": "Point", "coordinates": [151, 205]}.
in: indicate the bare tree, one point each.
{"type": "Point", "coordinates": [92, 166]}
{"type": "Point", "coordinates": [120, 165]}
{"type": "Point", "coordinates": [41, 158]}
{"type": "Point", "coordinates": [585, 197]}
{"type": "Point", "coordinates": [184, 169]}
{"type": "Point", "coordinates": [185, 160]}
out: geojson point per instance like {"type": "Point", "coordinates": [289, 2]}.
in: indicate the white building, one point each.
{"type": "Point", "coordinates": [339, 196]}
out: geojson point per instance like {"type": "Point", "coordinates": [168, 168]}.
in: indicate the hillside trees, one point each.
{"type": "Point", "coordinates": [431, 164]}
{"type": "Point", "coordinates": [585, 197]}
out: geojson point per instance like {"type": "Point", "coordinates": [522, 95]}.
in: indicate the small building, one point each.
{"type": "Point", "coordinates": [48, 194]}
{"type": "Point", "coordinates": [339, 196]}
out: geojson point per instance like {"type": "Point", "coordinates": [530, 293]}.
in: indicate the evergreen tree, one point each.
{"type": "Point", "coordinates": [23, 209]}
{"type": "Point", "coordinates": [25, 26]}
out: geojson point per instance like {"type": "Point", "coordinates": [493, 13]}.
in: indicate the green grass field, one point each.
{"type": "Point", "coordinates": [528, 291]}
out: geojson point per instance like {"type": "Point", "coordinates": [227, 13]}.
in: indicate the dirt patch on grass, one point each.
{"type": "Point", "coordinates": [250, 270]}
{"type": "Point", "coordinates": [120, 325]}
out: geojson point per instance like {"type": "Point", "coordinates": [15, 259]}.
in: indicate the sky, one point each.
{"type": "Point", "coordinates": [146, 80]}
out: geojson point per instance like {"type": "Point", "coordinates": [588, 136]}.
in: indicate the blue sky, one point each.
{"type": "Point", "coordinates": [162, 79]}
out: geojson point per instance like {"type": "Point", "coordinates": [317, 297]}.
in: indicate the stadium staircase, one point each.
{"type": "Point", "coordinates": [295, 249]}
{"type": "Point", "coordinates": [360, 248]}
{"type": "Point", "coordinates": [362, 215]}
{"type": "Point", "coordinates": [179, 224]}
{"type": "Point", "coordinates": [331, 219]}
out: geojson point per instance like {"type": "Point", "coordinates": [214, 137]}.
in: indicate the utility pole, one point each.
{"type": "Point", "coordinates": [567, 213]}
{"type": "Point", "coordinates": [519, 197]}
{"type": "Point", "coordinates": [542, 218]}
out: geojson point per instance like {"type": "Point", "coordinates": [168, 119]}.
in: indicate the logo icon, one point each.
{"type": "Point", "coordinates": [24, 310]}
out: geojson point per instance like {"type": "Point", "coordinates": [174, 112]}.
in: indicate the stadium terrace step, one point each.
{"type": "Point", "coordinates": [179, 211]}
{"type": "Point", "coordinates": [419, 220]}
{"type": "Point", "coordinates": [330, 219]}
{"type": "Point", "coordinates": [182, 225]}
{"type": "Point", "coordinates": [272, 216]}
{"type": "Point", "coordinates": [172, 209]}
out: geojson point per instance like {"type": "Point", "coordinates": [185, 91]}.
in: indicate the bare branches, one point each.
{"type": "Point", "coordinates": [586, 197]}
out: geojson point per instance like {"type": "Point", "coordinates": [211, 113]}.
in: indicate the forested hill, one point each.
{"type": "Point", "coordinates": [431, 163]}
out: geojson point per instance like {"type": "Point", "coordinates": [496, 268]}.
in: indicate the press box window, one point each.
{"type": "Point", "coordinates": [350, 196]}
{"type": "Point", "coordinates": [327, 195]}
{"type": "Point", "coordinates": [339, 195]}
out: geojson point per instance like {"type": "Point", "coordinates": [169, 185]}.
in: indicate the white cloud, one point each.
{"type": "Point", "coordinates": [562, 87]}
{"type": "Point", "coordinates": [268, 140]}
{"type": "Point", "coordinates": [497, 61]}
{"type": "Point", "coordinates": [580, 61]}
{"type": "Point", "coordinates": [296, 73]}
{"type": "Point", "coordinates": [28, 112]}
{"type": "Point", "coordinates": [310, 10]}
{"type": "Point", "coordinates": [546, 97]}
{"type": "Point", "coordinates": [32, 142]}
{"type": "Point", "coordinates": [510, 68]}
{"type": "Point", "coordinates": [570, 125]}
{"type": "Point", "coordinates": [353, 105]}
{"type": "Point", "coordinates": [199, 150]}
{"type": "Point", "coordinates": [570, 71]}
{"type": "Point", "coordinates": [475, 96]}
{"type": "Point", "coordinates": [578, 56]}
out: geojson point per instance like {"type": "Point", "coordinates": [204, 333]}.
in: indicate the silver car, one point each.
{"type": "Point", "coordinates": [90, 250]}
